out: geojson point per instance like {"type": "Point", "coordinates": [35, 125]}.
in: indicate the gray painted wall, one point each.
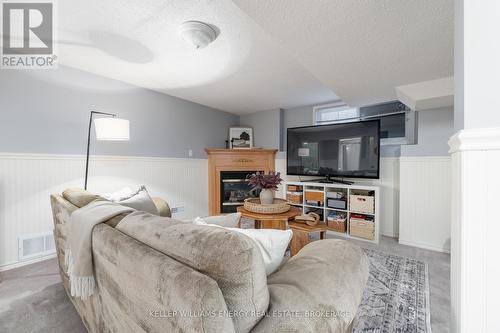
{"type": "Point", "coordinates": [435, 127]}
{"type": "Point", "coordinates": [459, 66]}
{"type": "Point", "coordinates": [48, 111]}
{"type": "Point", "coordinates": [266, 125]}
{"type": "Point", "coordinates": [296, 117]}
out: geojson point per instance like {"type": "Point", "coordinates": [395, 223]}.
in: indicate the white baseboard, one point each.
{"type": "Point", "coordinates": [388, 234]}
{"type": "Point", "coordinates": [424, 246]}
{"type": "Point", "coordinates": [18, 264]}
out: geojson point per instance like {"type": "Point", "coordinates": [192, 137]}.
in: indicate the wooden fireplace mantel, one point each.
{"type": "Point", "coordinates": [233, 160]}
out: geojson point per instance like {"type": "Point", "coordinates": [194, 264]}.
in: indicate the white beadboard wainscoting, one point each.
{"type": "Point", "coordinates": [26, 182]}
{"type": "Point", "coordinates": [389, 192]}
{"type": "Point", "coordinates": [425, 202]}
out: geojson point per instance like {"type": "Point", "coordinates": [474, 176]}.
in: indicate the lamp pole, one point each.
{"type": "Point", "coordinates": [88, 141]}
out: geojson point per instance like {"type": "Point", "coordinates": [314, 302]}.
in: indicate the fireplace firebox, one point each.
{"type": "Point", "coordinates": [235, 189]}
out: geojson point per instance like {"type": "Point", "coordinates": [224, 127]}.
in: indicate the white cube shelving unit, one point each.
{"type": "Point", "coordinates": [329, 187]}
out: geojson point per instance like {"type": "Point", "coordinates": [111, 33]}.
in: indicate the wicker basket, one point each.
{"type": "Point", "coordinates": [277, 207]}
{"type": "Point", "coordinates": [338, 225]}
{"type": "Point", "coordinates": [362, 228]}
{"type": "Point", "coordinates": [294, 197]}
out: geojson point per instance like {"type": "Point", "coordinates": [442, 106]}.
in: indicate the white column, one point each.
{"type": "Point", "coordinates": [475, 149]}
{"type": "Point", "coordinates": [475, 231]}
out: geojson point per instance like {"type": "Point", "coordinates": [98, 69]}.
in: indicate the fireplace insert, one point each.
{"type": "Point", "coordinates": [235, 189]}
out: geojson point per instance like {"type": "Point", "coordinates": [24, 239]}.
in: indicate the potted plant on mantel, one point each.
{"type": "Point", "coordinates": [268, 184]}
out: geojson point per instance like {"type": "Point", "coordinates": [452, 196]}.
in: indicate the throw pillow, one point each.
{"type": "Point", "coordinates": [271, 243]}
{"type": "Point", "coordinates": [119, 195]}
{"type": "Point", "coordinates": [228, 220]}
{"type": "Point", "coordinates": [140, 200]}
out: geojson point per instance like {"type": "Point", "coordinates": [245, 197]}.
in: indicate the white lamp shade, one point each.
{"type": "Point", "coordinates": [112, 129]}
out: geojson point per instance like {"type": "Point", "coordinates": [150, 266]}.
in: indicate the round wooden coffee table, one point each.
{"type": "Point", "coordinates": [270, 221]}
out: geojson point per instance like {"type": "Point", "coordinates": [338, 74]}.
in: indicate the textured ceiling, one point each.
{"type": "Point", "coordinates": [362, 49]}
{"type": "Point", "coordinates": [136, 41]}
{"type": "Point", "coordinates": [269, 53]}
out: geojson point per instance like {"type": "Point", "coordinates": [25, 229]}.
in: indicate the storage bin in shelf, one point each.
{"type": "Point", "coordinates": [295, 188]}
{"type": "Point", "coordinates": [337, 221]}
{"type": "Point", "coordinates": [294, 194]}
{"type": "Point", "coordinates": [313, 197]}
{"type": "Point", "coordinates": [362, 201]}
{"type": "Point", "coordinates": [362, 226]}
{"type": "Point", "coordinates": [294, 197]}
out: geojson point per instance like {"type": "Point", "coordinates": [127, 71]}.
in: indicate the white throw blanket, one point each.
{"type": "Point", "coordinates": [78, 257]}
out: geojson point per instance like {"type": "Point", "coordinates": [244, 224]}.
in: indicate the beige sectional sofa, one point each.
{"type": "Point", "coordinates": [166, 275]}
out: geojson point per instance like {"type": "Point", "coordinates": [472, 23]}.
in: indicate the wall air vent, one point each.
{"type": "Point", "coordinates": [35, 246]}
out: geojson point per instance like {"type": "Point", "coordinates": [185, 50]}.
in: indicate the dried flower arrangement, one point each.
{"type": "Point", "coordinates": [260, 180]}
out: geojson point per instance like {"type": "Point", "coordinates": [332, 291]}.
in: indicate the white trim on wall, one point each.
{"type": "Point", "coordinates": [475, 139]}
{"type": "Point", "coordinates": [425, 200]}
{"type": "Point", "coordinates": [474, 230]}
{"type": "Point", "coordinates": [26, 262]}
{"type": "Point", "coordinates": [27, 180]}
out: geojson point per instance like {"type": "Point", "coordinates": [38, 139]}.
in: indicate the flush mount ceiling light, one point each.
{"type": "Point", "coordinates": [197, 33]}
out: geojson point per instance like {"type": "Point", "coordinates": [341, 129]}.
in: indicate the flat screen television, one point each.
{"type": "Point", "coordinates": [349, 150]}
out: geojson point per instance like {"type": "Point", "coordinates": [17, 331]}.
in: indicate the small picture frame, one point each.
{"type": "Point", "coordinates": [240, 137]}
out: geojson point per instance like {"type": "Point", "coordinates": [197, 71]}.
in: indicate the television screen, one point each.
{"type": "Point", "coordinates": [348, 150]}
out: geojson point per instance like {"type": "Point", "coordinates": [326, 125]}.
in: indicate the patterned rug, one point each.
{"type": "Point", "coordinates": [396, 298]}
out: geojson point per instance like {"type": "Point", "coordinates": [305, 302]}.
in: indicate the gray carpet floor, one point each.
{"type": "Point", "coordinates": [32, 298]}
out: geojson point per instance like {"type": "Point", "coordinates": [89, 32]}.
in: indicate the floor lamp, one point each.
{"type": "Point", "coordinates": [106, 129]}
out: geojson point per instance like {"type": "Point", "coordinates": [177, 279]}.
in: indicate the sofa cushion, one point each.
{"type": "Point", "coordinates": [142, 290]}
{"type": "Point", "coordinates": [231, 259]}
{"type": "Point", "coordinates": [318, 290]}
{"type": "Point", "coordinates": [79, 197]}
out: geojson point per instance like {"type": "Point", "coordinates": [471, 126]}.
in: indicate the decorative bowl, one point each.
{"type": "Point", "coordinates": [277, 207]}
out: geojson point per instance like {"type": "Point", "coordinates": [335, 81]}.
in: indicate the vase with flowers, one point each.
{"type": "Point", "coordinates": [267, 183]}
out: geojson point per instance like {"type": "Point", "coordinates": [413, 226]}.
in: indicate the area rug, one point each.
{"type": "Point", "coordinates": [396, 298]}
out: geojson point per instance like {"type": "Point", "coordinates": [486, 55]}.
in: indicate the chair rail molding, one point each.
{"type": "Point", "coordinates": [475, 292]}
{"type": "Point", "coordinates": [475, 139]}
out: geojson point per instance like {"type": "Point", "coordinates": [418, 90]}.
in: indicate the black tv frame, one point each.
{"type": "Point", "coordinates": [328, 178]}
